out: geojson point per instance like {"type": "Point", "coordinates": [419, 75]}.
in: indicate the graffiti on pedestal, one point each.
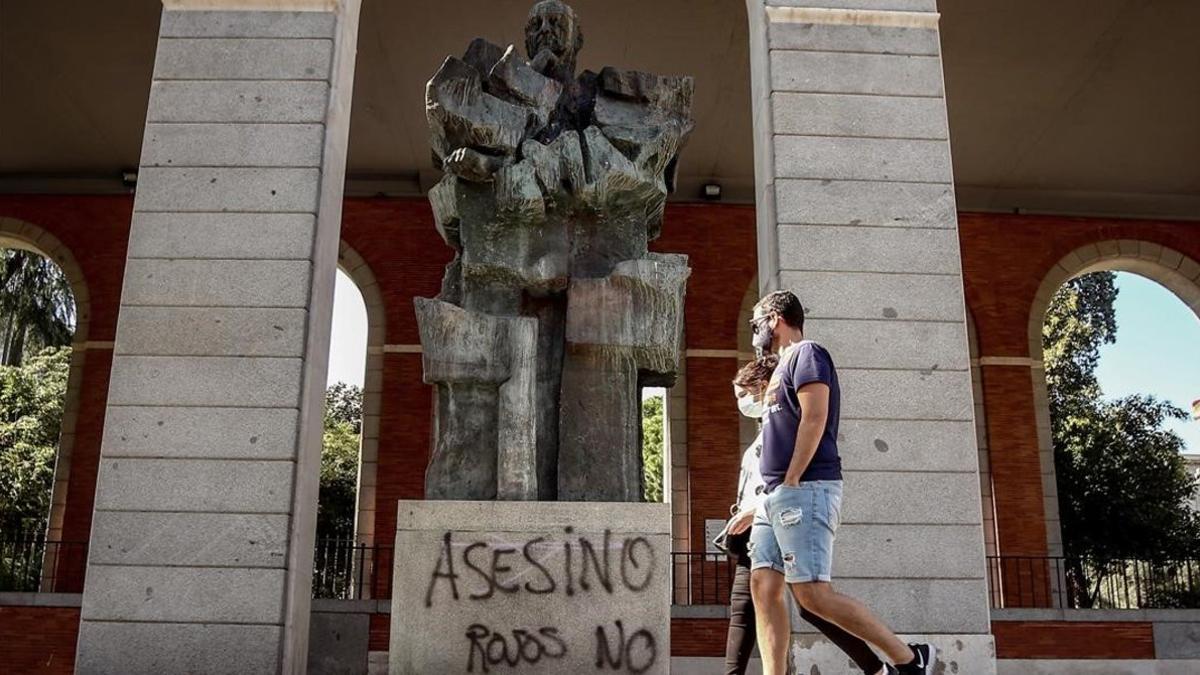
{"type": "Point", "coordinates": [472, 570]}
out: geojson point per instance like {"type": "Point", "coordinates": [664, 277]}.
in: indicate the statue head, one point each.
{"type": "Point", "coordinates": [553, 39]}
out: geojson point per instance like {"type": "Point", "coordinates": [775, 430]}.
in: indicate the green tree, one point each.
{"type": "Point", "coordinates": [338, 497]}
{"type": "Point", "coordinates": [31, 412]}
{"type": "Point", "coordinates": [1122, 484]}
{"type": "Point", "coordinates": [652, 447]}
{"type": "Point", "coordinates": [344, 403]}
{"type": "Point", "coordinates": [36, 307]}
{"type": "Point", "coordinates": [1081, 318]}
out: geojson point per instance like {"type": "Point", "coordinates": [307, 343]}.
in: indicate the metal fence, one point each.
{"type": "Point", "coordinates": [701, 578]}
{"type": "Point", "coordinates": [346, 570]}
{"type": "Point", "coordinates": [1078, 583]}
{"type": "Point", "coordinates": [29, 563]}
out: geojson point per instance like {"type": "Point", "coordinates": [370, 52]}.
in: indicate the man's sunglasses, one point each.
{"type": "Point", "coordinates": [758, 323]}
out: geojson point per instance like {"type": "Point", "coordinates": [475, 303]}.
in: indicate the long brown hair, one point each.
{"type": "Point", "coordinates": [755, 375]}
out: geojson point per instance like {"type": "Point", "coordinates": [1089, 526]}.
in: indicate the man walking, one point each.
{"type": "Point", "coordinates": [791, 543]}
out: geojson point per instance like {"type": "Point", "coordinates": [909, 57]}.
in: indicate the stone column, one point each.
{"type": "Point", "coordinates": [857, 216]}
{"type": "Point", "coordinates": [201, 549]}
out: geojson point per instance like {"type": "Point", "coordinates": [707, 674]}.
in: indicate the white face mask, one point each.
{"type": "Point", "coordinates": [752, 407]}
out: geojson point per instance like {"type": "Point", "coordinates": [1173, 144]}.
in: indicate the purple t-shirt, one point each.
{"type": "Point", "coordinates": [804, 363]}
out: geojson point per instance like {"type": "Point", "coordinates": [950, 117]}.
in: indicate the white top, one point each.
{"type": "Point", "coordinates": [750, 482]}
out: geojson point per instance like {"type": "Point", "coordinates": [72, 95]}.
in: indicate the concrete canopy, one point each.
{"type": "Point", "coordinates": [1079, 106]}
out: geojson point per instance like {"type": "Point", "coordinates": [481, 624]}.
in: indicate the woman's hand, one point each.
{"type": "Point", "coordinates": [741, 522]}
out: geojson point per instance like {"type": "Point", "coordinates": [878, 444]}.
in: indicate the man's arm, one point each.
{"type": "Point", "coordinates": [814, 409]}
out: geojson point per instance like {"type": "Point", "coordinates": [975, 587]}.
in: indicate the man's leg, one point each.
{"type": "Point", "coordinates": [819, 598]}
{"type": "Point", "coordinates": [808, 518]}
{"type": "Point", "coordinates": [767, 589]}
{"type": "Point", "coordinates": [771, 615]}
{"type": "Point", "coordinates": [855, 647]}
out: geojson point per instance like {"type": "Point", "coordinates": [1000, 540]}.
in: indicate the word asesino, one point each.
{"type": "Point", "coordinates": [479, 570]}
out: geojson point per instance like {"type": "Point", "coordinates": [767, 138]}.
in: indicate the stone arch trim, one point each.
{"type": "Point", "coordinates": [355, 267]}
{"type": "Point", "coordinates": [747, 430]}
{"type": "Point", "coordinates": [1177, 272]}
{"type": "Point", "coordinates": [16, 233]}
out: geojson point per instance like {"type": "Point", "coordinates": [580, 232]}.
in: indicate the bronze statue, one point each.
{"type": "Point", "coordinates": [553, 314]}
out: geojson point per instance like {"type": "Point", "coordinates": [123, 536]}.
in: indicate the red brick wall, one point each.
{"type": "Point", "coordinates": [1014, 459]}
{"type": "Point", "coordinates": [379, 639]}
{"type": "Point", "coordinates": [720, 242]}
{"type": "Point", "coordinates": [1073, 640]}
{"type": "Point", "coordinates": [404, 432]}
{"type": "Point", "coordinates": [713, 444]}
{"type": "Point", "coordinates": [698, 637]}
{"type": "Point", "coordinates": [1005, 259]}
{"type": "Point", "coordinates": [38, 640]}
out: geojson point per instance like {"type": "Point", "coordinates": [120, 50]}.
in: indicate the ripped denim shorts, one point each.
{"type": "Point", "coordinates": [794, 529]}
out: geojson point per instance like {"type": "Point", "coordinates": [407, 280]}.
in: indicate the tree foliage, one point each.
{"type": "Point", "coordinates": [31, 412]}
{"type": "Point", "coordinates": [1123, 486]}
{"type": "Point", "coordinates": [344, 403]}
{"type": "Point", "coordinates": [652, 447]}
{"type": "Point", "coordinates": [338, 499]}
{"type": "Point", "coordinates": [36, 307]}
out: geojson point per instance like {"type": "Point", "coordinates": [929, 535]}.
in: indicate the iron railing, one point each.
{"type": "Point", "coordinates": [346, 570]}
{"type": "Point", "coordinates": [1079, 583]}
{"type": "Point", "coordinates": [701, 578]}
{"type": "Point", "coordinates": [30, 563]}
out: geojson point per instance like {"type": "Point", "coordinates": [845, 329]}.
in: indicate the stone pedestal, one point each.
{"type": "Point", "coordinates": [531, 587]}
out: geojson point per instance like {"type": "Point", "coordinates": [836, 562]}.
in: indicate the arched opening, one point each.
{"type": "Point", "coordinates": [1116, 324]}
{"type": "Point", "coordinates": [43, 342]}
{"type": "Point", "coordinates": [346, 501]}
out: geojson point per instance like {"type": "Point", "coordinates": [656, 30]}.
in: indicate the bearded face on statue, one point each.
{"type": "Point", "coordinates": [553, 39]}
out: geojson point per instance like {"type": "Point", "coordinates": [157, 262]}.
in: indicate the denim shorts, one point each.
{"type": "Point", "coordinates": [794, 529]}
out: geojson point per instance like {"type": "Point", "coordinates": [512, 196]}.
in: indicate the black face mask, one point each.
{"type": "Point", "coordinates": [762, 337]}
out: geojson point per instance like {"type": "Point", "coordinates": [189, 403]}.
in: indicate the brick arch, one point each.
{"type": "Point", "coordinates": [1172, 269]}
{"type": "Point", "coordinates": [1156, 262]}
{"type": "Point", "coordinates": [359, 271]}
{"type": "Point", "coordinates": [15, 233]}
{"type": "Point", "coordinates": [747, 429]}
{"type": "Point", "coordinates": [1012, 264]}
